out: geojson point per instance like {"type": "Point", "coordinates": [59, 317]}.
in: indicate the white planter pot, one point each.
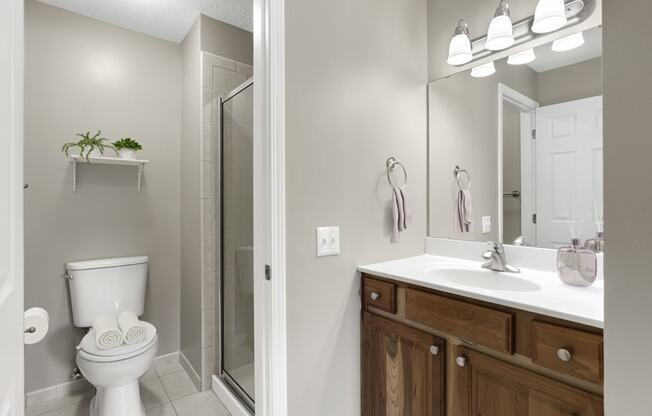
{"type": "Point", "coordinates": [127, 154]}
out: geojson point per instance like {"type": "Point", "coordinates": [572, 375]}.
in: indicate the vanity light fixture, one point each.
{"type": "Point", "coordinates": [549, 16]}
{"type": "Point", "coordinates": [500, 34]}
{"type": "Point", "coordinates": [459, 50]}
{"type": "Point", "coordinates": [521, 58]}
{"type": "Point", "coordinates": [569, 42]}
{"type": "Point", "coordinates": [483, 70]}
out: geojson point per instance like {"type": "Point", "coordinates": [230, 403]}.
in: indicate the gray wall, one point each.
{"type": "Point", "coordinates": [572, 82]}
{"type": "Point", "coordinates": [81, 75]}
{"type": "Point", "coordinates": [511, 171]}
{"type": "Point", "coordinates": [356, 95]}
{"type": "Point", "coordinates": [227, 41]}
{"type": "Point", "coordinates": [463, 125]}
{"type": "Point", "coordinates": [190, 200]}
{"type": "Point", "coordinates": [628, 287]}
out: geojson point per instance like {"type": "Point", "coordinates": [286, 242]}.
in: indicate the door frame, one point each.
{"type": "Point", "coordinates": [528, 152]}
{"type": "Point", "coordinates": [12, 52]}
{"type": "Point", "coordinates": [270, 324]}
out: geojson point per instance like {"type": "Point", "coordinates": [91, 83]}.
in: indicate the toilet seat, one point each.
{"type": "Point", "coordinates": [88, 348]}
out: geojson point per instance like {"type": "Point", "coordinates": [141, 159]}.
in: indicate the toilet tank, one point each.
{"type": "Point", "coordinates": [106, 286]}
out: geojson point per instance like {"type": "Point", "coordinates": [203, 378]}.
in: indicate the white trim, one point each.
{"type": "Point", "coordinates": [524, 102]}
{"type": "Point", "coordinates": [269, 208]}
{"type": "Point", "coordinates": [228, 399]}
{"type": "Point", "coordinates": [73, 386]}
{"type": "Point", "coordinates": [190, 370]}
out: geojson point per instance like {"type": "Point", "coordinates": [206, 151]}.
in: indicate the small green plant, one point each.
{"type": "Point", "coordinates": [127, 143]}
{"type": "Point", "coordinates": [87, 144]}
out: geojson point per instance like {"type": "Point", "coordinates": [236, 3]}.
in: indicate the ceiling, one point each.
{"type": "Point", "coordinates": [166, 19]}
{"type": "Point", "coordinates": [547, 59]}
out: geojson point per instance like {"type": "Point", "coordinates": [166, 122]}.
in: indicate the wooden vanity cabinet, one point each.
{"type": "Point", "coordinates": [403, 370]}
{"type": "Point", "coordinates": [486, 360]}
{"type": "Point", "coordinates": [485, 386]}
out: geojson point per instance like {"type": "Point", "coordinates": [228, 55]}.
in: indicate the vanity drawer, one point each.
{"type": "Point", "coordinates": [569, 351]}
{"type": "Point", "coordinates": [379, 294]}
{"type": "Point", "coordinates": [485, 326]}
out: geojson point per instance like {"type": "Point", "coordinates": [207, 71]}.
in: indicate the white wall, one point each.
{"type": "Point", "coordinates": [355, 95]}
{"type": "Point", "coordinates": [628, 206]}
{"type": "Point", "coordinates": [82, 75]}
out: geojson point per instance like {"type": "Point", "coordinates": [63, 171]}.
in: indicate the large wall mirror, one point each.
{"type": "Point", "coordinates": [515, 151]}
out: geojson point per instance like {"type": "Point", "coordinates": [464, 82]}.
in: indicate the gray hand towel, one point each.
{"type": "Point", "coordinates": [464, 211]}
{"type": "Point", "coordinates": [400, 214]}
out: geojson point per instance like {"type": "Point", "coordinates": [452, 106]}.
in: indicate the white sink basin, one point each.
{"type": "Point", "coordinates": [485, 279]}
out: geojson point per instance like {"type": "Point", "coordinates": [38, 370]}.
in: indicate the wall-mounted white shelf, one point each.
{"type": "Point", "coordinates": [102, 160]}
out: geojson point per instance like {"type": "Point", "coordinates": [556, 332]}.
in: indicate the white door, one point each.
{"type": "Point", "coordinates": [569, 171]}
{"type": "Point", "coordinates": [11, 209]}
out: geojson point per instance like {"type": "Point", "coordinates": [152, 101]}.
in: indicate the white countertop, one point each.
{"type": "Point", "coordinates": [542, 293]}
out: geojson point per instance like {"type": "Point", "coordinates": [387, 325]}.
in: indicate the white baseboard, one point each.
{"type": "Point", "coordinates": [194, 376]}
{"type": "Point", "coordinates": [70, 387]}
{"type": "Point", "coordinates": [230, 401]}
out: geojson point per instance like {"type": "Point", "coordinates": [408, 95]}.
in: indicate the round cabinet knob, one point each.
{"type": "Point", "coordinates": [564, 355]}
{"type": "Point", "coordinates": [375, 295]}
{"type": "Point", "coordinates": [461, 361]}
{"type": "Point", "coordinates": [434, 349]}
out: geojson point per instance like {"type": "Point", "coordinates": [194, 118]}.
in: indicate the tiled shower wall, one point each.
{"type": "Point", "coordinates": [219, 77]}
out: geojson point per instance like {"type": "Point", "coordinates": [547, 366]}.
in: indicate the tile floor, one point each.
{"type": "Point", "coordinates": [165, 391]}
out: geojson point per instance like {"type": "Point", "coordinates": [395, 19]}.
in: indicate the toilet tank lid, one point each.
{"type": "Point", "coordinates": [103, 263]}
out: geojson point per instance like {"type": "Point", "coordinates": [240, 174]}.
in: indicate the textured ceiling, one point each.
{"type": "Point", "coordinates": [166, 19]}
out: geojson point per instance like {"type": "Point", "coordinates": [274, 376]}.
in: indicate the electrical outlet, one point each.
{"type": "Point", "coordinates": [328, 241]}
{"type": "Point", "coordinates": [486, 225]}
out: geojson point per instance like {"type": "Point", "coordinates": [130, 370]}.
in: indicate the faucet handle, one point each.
{"type": "Point", "coordinates": [497, 247]}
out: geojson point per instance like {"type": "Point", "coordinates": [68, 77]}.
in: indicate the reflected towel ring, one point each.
{"type": "Point", "coordinates": [457, 172]}
{"type": "Point", "coordinates": [391, 165]}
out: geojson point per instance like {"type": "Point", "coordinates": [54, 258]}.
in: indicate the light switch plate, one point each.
{"type": "Point", "coordinates": [486, 225]}
{"type": "Point", "coordinates": [328, 241]}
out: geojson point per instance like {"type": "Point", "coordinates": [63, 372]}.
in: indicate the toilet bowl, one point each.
{"type": "Point", "coordinates": [115, 373]}
{"type": "Point", "coordinates": [110, 287]}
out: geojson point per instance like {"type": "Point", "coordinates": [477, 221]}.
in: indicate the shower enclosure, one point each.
{"type": "Point", "coordinates": [236, 313]}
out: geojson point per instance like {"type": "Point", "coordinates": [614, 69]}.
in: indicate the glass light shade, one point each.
{"type": "Point", "coordinates": [569, 42]}
{"type": "Point", "coordinates": [483, 70]}
{"type": "Point", "coordinates": [549, 16]}
{"type": "Point", "coordinates": [521, 58]}
{"type": "Point", "coordinates": [500, 35]}
{"type": "Point", "coordinates": [459, 50]}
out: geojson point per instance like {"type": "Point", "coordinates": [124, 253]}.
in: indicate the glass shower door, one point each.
{"type": "Point", "coordinates": [237, 294]}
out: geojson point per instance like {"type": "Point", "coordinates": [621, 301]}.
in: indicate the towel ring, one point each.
{"type": "Point", "coordinates": [457, 172]}
{"type": "Point", "coordinates": [391, 165]}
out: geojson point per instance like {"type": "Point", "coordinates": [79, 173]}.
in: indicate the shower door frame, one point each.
{"type": "Point", "coordinates": [222, 374]}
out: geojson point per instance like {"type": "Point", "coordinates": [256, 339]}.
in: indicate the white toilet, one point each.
{"type": "Point", "coordinates": [110, 286]}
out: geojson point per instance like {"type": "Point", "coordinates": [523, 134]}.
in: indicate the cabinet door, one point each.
{"type": "Point", "coordinates": [402, 370]}
{"type": "Point", "coordinates": [486, 386]}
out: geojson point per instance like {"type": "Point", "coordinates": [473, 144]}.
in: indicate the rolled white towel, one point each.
{"type": "Point", "coordinates": [132, 328]}
{"type": "Point", "coordinates": [107, 332]}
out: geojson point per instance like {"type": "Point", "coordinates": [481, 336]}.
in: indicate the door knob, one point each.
{"type": "Point", "coordinates": [564, 355]}
{"type": "Point", "coordinates": [375, 295]}
{"type": "Point", "coordinates": [460, 361]}
{"type": "Point", "coordinates": [434, 349]}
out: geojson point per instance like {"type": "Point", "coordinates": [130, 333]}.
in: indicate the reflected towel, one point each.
{"type": "Point", "coordinates": [400, 214]}
{"type": "Point", "coordinates": [107, 332]}
{"type": "Point", "coordinates": [133, 330]}
{"type": "Point", "coordinates": [464, 211]}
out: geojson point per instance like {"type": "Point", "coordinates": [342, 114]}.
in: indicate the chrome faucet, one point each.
{"type": "Point", "coordinates": [496, 259]}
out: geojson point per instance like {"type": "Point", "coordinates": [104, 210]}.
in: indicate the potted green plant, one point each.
{"type": "Point", "coordinates": [88, 145]}
{"type": "Point", "coordinates": [127, 147]}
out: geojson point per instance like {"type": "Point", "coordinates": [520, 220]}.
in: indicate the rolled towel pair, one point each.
{"type": "Point", "coordinates": [111, 332]}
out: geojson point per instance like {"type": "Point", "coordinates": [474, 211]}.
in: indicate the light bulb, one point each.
{"type": "Point", "coordinates": [500, 35]}
{"type": "Point", "coordinates": [549, 16]}
{"type": "Point", "coordinates": [459, 50]}
{"type": "Point", "coordinates": [569, 42]}
{"type": "Point", "coordinates": [521, 58]}
{"type": "Point", "coordinates": [483, 70]}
